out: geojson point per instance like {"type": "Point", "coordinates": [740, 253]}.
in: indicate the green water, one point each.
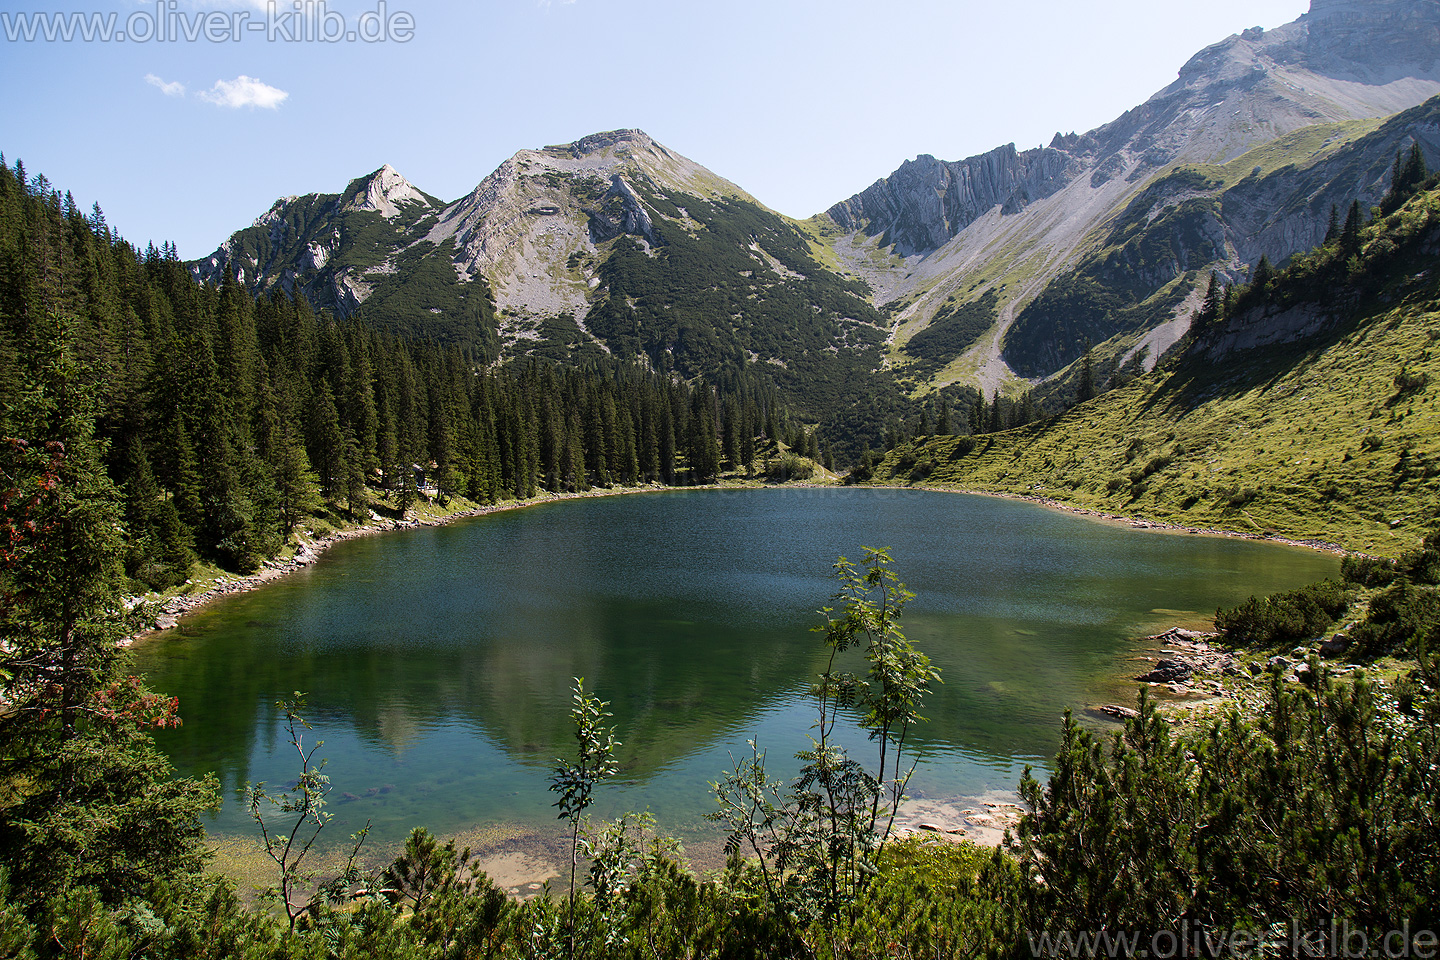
{"type": "Point", "coordinates": [438, 661]}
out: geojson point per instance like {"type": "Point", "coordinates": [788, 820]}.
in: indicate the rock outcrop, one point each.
{"type": "Point", "coordinates": [925, 203]}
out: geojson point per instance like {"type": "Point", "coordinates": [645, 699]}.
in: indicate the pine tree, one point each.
{"type": "Point", "coordinates": [325, 443]}
{"type": "Point", "coordinates": [1407, 175]}
{"type": "Point", "coordinates": [1086, 388]}
{"type": "Point", "coordinates": [157, 549]}
{"type": "Point", "coordinates": [357, 502]}
{"type": "Point", "coordinates": [1211, 308]}
{"type": "Point", "coordinates": [89, 803]}
{"type": "Point", "coordinates": [1415, 172]}
{"type": "Point", "coordinates": [1350, 233]}
{"type": "Point", "coordinates": [295, 482]}
{"type": "Point", "coordinates": [1263, 276]}
{"type": "Point", "coordinates": [59, 596]}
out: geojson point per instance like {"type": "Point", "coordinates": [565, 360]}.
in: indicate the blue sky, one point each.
{"type": "Point", "coordinates": [801, 103]}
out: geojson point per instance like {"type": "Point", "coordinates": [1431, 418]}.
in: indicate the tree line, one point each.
{"type": "Point", "coordinates": [1340, 259]}
{"type": "Point", "coordinates": [226, 420]}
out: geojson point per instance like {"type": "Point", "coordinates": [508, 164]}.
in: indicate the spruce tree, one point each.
{"type": "Point", "coordinates": [87, 804]}
{"type": "Point", "coordinates": [1211, 308]}
{"type": "Point", "coordinates": [1350, 233]}
{"type": "Point", "coordinates": [1086, 388]}
{"type": "Point", "coordinates": [297, 485]}
{"type": "Point", "coordinates": [1332, 230]}
{"type": "Point", "coordinates": [1263, 276]}
{"type": "Point", "coordinates": [61, 579]}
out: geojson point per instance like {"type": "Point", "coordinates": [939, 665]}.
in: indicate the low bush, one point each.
{"type": "Point", "coordinates": [1284, 618]}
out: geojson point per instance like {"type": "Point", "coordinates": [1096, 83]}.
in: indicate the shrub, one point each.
{"type": "Point", "coordinates": [1368, 571]}
{"type": "Point", "coordinates": [1284, 618]}
{"type": "Point", "coordinates": [791, 467]}
{"type": "Point", "coordinates": [1396, 619]}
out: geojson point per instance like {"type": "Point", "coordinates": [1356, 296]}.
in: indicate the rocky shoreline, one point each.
{"type": "Point", "coordinates": [1189, 664]}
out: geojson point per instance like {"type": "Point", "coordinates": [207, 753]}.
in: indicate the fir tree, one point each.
{"type": "Point", "coordinates": [1350, 233]}
{"type": "Point", "coordinates": [1263, 276]}
{"type": "Point", "coordinates": [1332, 230]}
{"type": "Point", "coordinates": [1086, 389]}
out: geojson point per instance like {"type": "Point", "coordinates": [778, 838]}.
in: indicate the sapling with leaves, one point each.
{"type": "Point", "coordinates": [575, 781]}
{"type": "Point", "coordinates": [302, 815]}
{"type": "Point", "coordinates": [887, 697]}
{"type": "Point", "coordinates": [816, 845]}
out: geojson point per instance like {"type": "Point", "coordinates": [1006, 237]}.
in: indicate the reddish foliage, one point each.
{"type": "Point", "coordinates": [18, 529]}
{"type": "Point", "coordinates": [127, 703]}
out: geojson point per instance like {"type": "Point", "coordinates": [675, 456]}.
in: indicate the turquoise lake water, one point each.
{"type": "Point", "coordinates": [437, 662]}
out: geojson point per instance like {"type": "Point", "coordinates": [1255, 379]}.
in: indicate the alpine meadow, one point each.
{"type": "Point", "coordinates": [1147, 418]}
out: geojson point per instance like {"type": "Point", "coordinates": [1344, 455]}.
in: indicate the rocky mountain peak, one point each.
{"type": "Point", "coordinates": [383, 192]}
{"type": "Point", "coordinates": [597, 142]}
{"type": "Point", "coordinates": [1372, 38]}
{"type": "Point", "coordinates": [1357, 9]}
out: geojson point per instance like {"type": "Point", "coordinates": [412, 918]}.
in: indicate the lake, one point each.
{"type": "Point", "coordinates": [438, 662]}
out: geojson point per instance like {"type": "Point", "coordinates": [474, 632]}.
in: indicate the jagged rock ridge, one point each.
{"type": "Point", "coordinates": [947, 224]}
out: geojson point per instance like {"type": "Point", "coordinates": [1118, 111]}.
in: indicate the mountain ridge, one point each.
{"type": "Point", "coordinates": [1249, 89]}
{"type": "Point", "coordinates": [1304, 407]}
{"type": "Point", "coordinates": [610, 245]}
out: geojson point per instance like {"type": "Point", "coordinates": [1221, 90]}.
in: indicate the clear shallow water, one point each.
{"type": "Point", "coordinates": [438, 662]}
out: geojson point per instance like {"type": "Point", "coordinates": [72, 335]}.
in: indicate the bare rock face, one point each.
{"type": "Point", "coordinates": [1371, 38]}
{"type": "Point", "coordinates": [384, 192]}
{"type": "Point", "coordinates": [621, 211]}
{"type": "Point", "coordinates": [926, 202]}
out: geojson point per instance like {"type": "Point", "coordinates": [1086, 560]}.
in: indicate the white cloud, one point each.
{"type": "Point", "coordinates": [169, 88]}
{"type": "Point", "coordinates": [243, 91]}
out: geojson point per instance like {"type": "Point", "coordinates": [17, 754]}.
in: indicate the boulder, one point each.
{"type": "Point", "coordinates": [1168, 671]}
{"type": "Point", "coordinates": [1335, 646]}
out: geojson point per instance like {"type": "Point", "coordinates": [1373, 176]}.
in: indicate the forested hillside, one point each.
{"type": "Point", "coordinates": [226, 420]}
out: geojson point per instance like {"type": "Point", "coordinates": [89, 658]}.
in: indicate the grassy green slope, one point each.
{"type": "Point", "coordinates": [1334, 436]}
